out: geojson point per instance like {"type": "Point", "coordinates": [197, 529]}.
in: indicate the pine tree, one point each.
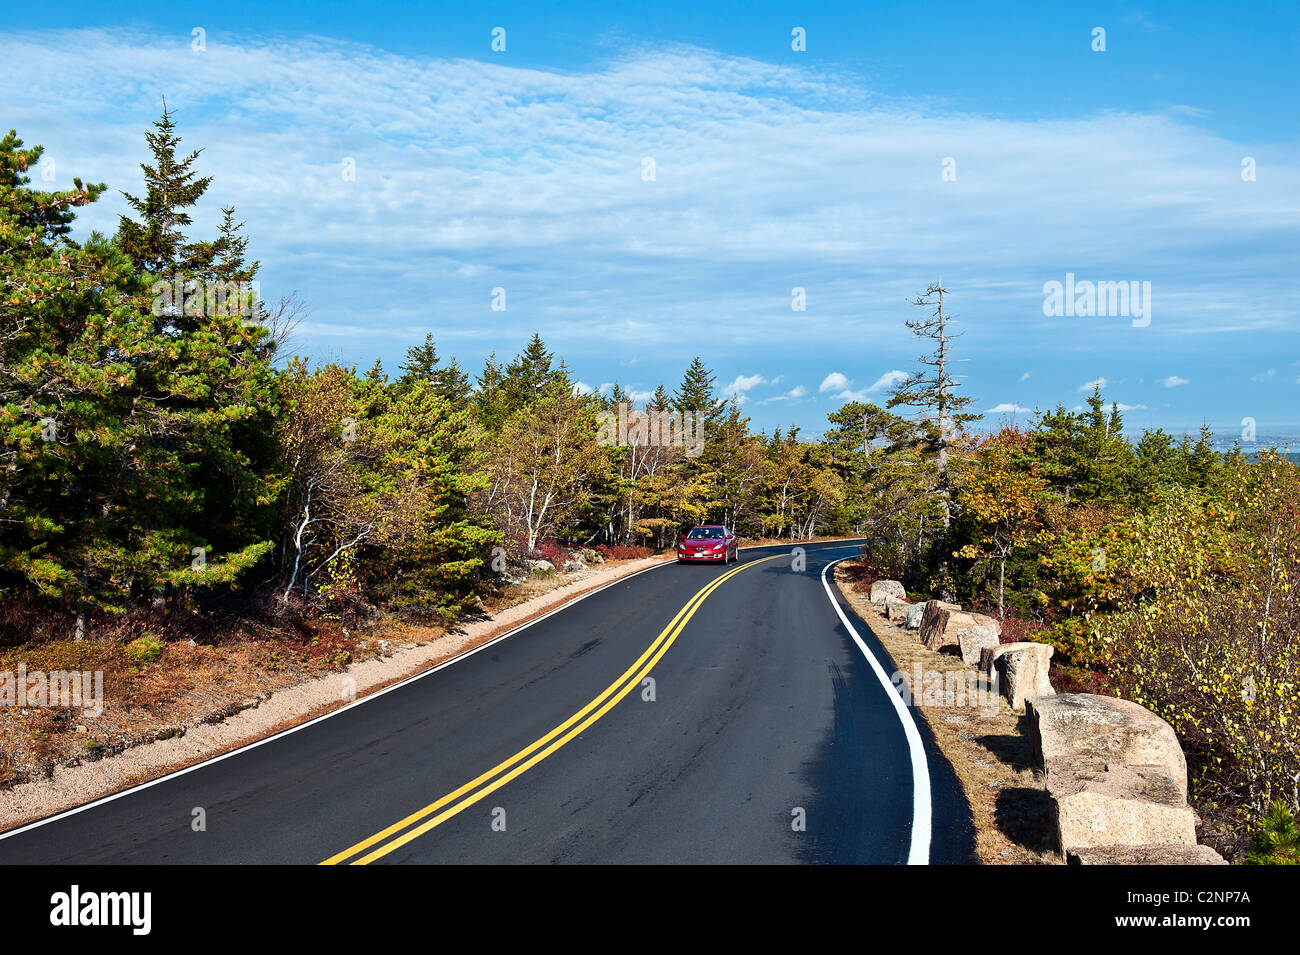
{"type": "Point", "coordinates": [660, 401]}
{"type": "Point", "coordinates": [1277, 840]}
{"type": "Point", "coordinates": [452, 383]}
{"type": "Point", "coordinates": [50, 286]}
{"type": "Point", "coordinates": [697, 395]}
{"type": "Point", "coordinates": [528, 375]}
{"type": "Point", "coordinates": [859, 423]}
{"type": "Point", "coordinates": [155, 442]}
{"type": "Point", "coordinates": [157, 242]}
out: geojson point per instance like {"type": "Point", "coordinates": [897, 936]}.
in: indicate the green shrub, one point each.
{"type": "Point", "coordinates": [145, 649]}
{"type": "Point", "coordinates": [1277, 841]}
{"type": "Point", "coordinates": [1204, 632]}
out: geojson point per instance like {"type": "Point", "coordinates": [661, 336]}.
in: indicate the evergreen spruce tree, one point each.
{"type": "Point", "coordinates": [421, 362]}
{"type": "Point", "coordinates": [151, 472]}
{"type": "Point", "coordinates": [452, 383]}
{"type": "Point", "coordinates": [660, 401]}
{"type": "Point", "coordinates": [230, 252]}
{"type": "Point", "coordinates": [156, 240]}
{"type": "Point", "coordinates": [1056, 446]}
{"type": "Point", "coordinates": [1203, 463]}
{"type": "Point", "coordinates": [1105, 458]}
{"type": "Point", "coordinates": [697, 395]}
{"type": "Point", "coordinates": [489, 398]}
{"type": "Point", "coordinates": [528, 375]}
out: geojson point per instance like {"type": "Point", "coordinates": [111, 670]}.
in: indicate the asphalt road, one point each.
{"type": "Point", "coordinates": [765, 737]}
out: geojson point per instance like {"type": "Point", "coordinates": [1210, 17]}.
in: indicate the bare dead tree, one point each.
{"type": "Point", "coordinates": [281, 323]}
{"type": "Point", "coordinates": [933, 391]}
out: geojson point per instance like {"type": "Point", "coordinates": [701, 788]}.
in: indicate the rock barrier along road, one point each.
{"type": "Point", "coordinates": [685, 714]}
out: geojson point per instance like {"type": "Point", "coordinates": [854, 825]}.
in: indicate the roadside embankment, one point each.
{"type": "Point", "coordinates": [1073, 777]}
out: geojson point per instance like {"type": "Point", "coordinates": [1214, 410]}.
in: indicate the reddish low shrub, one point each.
{"type": "Point", "coordinates": [623, 551]}
{"type": "Point", "coordinates": [1018, 629]}
{"type": "Point", "coordinates": [550, 549]}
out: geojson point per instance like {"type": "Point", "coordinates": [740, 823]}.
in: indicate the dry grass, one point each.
{"type": "Point", "coordinates": [986, 743]}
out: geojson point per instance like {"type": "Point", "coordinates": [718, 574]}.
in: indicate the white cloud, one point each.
{"type": "Point", "coordinates": [481, 168]}
{"type": "Point", "coordinates": [1173, 381]}
{"type": "Point", "coordinates": [793, 395]}
{"type": "Point", "coordinates": [1007, 407]}
{"type": "Point", "coordinates": [888, 380]}
{"type": "Point", "coordinates": [1264, 375]}
{"type": "Point", "coordinates": [1090, 385]}
{"type": "Point", "coordinates": [833, 382]}
{"type": "Point", "coordinates": [477, 173]}
{"type": "Point", "coordinates": [582, 388]}
{"type": "Point", "coordinates": [843, 386]}
{"type": "Point", "coordinates": [744, 383]}
{"type": "Point", "coordinates": [1123, 407]}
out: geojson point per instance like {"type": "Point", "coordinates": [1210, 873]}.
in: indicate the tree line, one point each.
{"type": "Point", "coordinates": [160, 449]}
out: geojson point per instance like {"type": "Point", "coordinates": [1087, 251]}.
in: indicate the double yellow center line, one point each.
{"type": "Point", "coordinates": [439, 811]}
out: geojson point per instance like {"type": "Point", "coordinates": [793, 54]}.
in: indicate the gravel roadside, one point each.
{"type": "Point", "coordinates": [72, 786]}
{"type": "Point", "coordinates": [986, 743]}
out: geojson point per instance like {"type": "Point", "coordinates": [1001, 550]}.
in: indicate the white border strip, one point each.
{"type": "Point", "coordinates": [919, 854]}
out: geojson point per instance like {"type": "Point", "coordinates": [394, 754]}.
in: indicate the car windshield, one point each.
{"type": "Point", "coordinates": [705, 533]}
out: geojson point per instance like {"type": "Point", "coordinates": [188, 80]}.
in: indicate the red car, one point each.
{"type": "Point", "coordinates": [708, 542]}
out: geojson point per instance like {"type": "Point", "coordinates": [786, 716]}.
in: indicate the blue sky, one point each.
{"type": "Point", "coordinates": [774, 169]}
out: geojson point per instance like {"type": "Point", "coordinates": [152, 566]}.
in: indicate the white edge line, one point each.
{"type": "Point", "coordinates": [174, 774]}
{"type": "Point", "coordinates": [919, 853]}
{"type": "Point", "coordinates": [342, 709]}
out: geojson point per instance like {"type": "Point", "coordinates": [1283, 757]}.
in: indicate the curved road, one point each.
{"type": "Point", "coordinates": [687, 714]}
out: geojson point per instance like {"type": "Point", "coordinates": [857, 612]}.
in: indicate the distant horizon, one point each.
{"type": "Point", "coordinates": [1267, 433]}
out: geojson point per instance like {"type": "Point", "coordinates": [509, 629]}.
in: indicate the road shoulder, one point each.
{"type": "Point", "coordinates": [978, 734]}
{"type": "Point", "coordinates": [285, 709]}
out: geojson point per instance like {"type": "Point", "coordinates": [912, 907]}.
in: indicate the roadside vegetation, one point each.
{"type": "Point", "coordinates": [165, 458]}
{"type": "Point", "coordinates": [171, 472]}
{"type": "Point", "coordinates": [1159, 569]}
{"type": "Point", "coordinates": [201, 514]}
